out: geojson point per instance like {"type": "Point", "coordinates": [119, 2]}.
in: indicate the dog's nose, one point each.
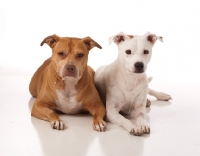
{"type": "Point", "coordinates": [139, 66]}
{"type": "Point", "coordinates": [71, 68]}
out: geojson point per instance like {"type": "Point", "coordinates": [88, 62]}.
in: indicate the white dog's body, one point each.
{"type": "Point", "coordinates": [123, 85]}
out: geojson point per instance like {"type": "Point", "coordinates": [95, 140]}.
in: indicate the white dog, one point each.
{"type": "Point", "coordinates": [123, 85]}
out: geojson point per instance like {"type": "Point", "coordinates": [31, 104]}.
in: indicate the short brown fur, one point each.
{"type": "Point", "coordinates": [46, 81]}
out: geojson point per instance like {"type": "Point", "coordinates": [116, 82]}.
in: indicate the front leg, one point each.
{"type": "Point", "coordinates": [140, 113]}
{"type": "Point", "coordinates": [113, 107]}
{"type": "Point", "coordinates": [114, 117]}
{"type": "Point", "coordinates": [97, 109]}
{"type": "Point", "coordinates": [42, 111]}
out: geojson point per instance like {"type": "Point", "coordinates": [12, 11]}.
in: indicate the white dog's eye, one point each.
{"type": "Point", "coordinates": [128, 51]}
{"type": "Point", "coordinates": [146, 51]}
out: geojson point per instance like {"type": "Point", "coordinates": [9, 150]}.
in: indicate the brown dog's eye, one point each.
{"type": "Point", "coordinates": [80, 55]}
{"type": "Point", "coordinates": [146, 51]}
{"type": "Point", "coordinates": [61, 53]}
{"type": "Point", "coordinates": [128, 51]}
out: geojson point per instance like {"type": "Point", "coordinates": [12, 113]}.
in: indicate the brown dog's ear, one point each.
{"type": "Point", "coordinates": [119, 38]}
{"type": "Point", "coordinates": [50, 40]}
{"type": "Point", "coordinates": [153, 38]}
{"type": "Point", "coordinates": [90, 43]}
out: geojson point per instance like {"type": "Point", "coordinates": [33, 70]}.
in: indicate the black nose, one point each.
{"type": "Point", "coordinates": [71, 68]}
{"type": "Point", "coordinates": [139, 66]}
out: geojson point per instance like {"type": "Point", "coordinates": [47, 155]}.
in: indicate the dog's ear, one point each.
{"type": "Point", "coordinates": [51, 40]}
{"type": "Point", "coordinates": [119, 38]}
{"type": "Point", "coordinates": [153, 38]}
{"type": "Point", "coordinates": [90, 43]}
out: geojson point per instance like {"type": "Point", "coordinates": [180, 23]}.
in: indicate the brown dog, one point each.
{"type": "Point", "coordinates": [65, 83]}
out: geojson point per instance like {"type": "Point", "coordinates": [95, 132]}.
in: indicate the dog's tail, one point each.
{"type": "Point", "coordinates": [150, 79]}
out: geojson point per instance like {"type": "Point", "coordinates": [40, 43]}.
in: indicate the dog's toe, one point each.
{"type": "Point", "coordinates": [57, 124]}
{"type": "Point", "coordinates": [139, 130]}
{"type": "Point", "coordinates": [145, 129]}
{"type": "Point", "coordinates": [136, 131]}
{"type": "Point", "coordinates": [99, 126]}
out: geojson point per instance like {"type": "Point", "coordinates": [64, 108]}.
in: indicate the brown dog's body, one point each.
{"type": "Point", "coordinates": [65, 83]}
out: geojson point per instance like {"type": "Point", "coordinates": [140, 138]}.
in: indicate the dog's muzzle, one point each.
{"type": "Point", "coordinates": [69, 70]}
{"type": "Point", "coordinates": [139, 67]}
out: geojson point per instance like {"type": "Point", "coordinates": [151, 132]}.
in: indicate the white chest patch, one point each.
{"type": "Point", "coordinates": [67, 102]}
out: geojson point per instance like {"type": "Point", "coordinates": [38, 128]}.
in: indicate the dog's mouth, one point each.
{"type": "Point", "coordinates": [69, 74]}
{"type": "Point", "coordinates": [139, 71]}
{"type": "Point", "coordinates": [69, 71]}
{"type": "Point", "coordinates": [136, 71]}
{"type": "Point", "coordinates": [72, 78]}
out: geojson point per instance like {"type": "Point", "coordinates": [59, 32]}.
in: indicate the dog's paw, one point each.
{"type": "Point", "coordinates": [163, 96]}
{"type": "Point", "coordinates": [148, 103]}
{"type": "Point", "coordinates": [139, 130]}
{"type": "Point", "coordinates": [99, 125]}
{"type": "Point", "coordinates": [145, 129]}
{"type": "Point", "coordinates": [57, 124]}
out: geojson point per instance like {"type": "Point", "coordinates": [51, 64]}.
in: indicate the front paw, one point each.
{"type": "Point", "coordinates": [136, 131]}
{"type": "Point", "coordinates": [145, 129]}
{"type": "Point", "coordinates": [99, 125]}
{"type": "Point", "coordinates": [57, 124]}
{"type": "Point", "coordinates": [139, 130]}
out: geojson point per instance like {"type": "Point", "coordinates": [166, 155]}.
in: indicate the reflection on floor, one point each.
{"type": "Point", "coordinates": [175, 127]}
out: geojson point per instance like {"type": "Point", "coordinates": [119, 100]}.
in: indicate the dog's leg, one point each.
{"type": "Point", "coordinates": [98, 111]}
{"type": "Point", "coordinates": [159, 95]}
{"type": "Point", "coordinates": [114, 117]}
{"type": "Point", "coordinates": [140, 118]}
{"type": "Point", "coordinates": [41, 111]}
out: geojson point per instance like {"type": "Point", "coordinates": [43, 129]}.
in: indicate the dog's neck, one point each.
{"type": "Point", "coordinates": [130, 79]}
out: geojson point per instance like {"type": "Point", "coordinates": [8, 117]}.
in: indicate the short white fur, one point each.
{"type": "Point", "coordinates": [123, 90]}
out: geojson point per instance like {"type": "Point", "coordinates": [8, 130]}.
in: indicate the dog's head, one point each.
{"type": "Point", "coordinates": [70, 55]}
{"type": "Point", "coordinates": [135, 51]}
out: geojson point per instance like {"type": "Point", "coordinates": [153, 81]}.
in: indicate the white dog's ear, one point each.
{"type": "Point", "coordinates": [153, 38]}
{"type": "Point", "coordinates": [119, 38]}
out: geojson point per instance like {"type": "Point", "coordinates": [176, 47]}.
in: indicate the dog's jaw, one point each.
{"type": "Point", "coordinates": [71, 79]}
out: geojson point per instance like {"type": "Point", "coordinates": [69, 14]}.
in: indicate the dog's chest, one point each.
{"type": "Point", "coordinates": [67, 102]}
{"type": "Point", "coordinates": [134, 93]}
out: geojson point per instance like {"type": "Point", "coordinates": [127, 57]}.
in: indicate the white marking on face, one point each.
{"type": "Point", "coordinates": [70, 62]}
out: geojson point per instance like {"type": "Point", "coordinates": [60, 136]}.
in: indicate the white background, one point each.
{"type": "Point", "coordinates": [175, 125]}
{"type": "Point", "coordinates": [25, 23]}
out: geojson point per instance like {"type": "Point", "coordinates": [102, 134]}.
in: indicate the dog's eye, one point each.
{"type": "Point", "coordinates": [128, 51]}
{"type": "Point", "coordinates": [80, 55]}
{"type": "Point", "coordinates": [146, 51]}
{"type": "Point", "coordinates": [61, 53]}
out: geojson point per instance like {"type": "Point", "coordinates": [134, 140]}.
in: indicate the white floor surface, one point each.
{"type": "Point", "coordinates": [175, 126]}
